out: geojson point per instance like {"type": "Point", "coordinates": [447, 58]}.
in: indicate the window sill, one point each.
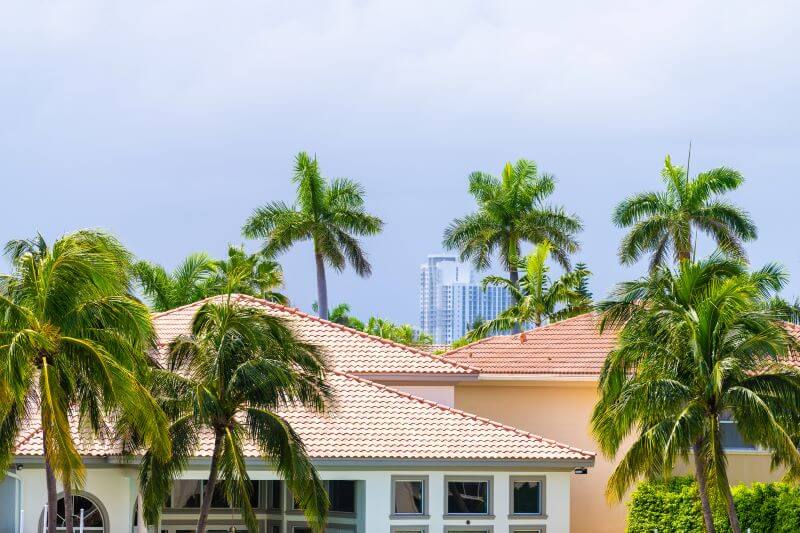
{"type": "Point", "coordinates": [403, 516]}
{"type": "Point", "coordinates": [523, 516]}
{"type": "Point", "coordinates": [456, 516]}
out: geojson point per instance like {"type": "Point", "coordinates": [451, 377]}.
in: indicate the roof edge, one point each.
{"type": "Point", "coordinates": [297, 312]}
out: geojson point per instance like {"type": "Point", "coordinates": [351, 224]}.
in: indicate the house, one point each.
{"type": "Point", "coordinates": [546, 379]}
{"type": "Point", "coordinates": [394, 451]}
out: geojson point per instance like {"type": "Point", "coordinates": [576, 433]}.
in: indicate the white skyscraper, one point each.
{"type": "Point", "coordinates": [451, 298]}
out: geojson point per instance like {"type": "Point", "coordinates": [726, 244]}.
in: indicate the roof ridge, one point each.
{"type": "Point", "coordinates": [532, 331]}
{"type": "Point", "coordinates": [558, 322]}
{"type": "Point", "coordinates": [463, 414]}
{"type": "Point", "coordinates": [352, 331]}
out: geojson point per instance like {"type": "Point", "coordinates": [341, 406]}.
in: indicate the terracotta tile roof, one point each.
{"type": "Point", "coordinates": [372, 421]}
{"type": "Point", "coordinates": [347, 349]}
{"type": "Point", "coordinates": [572, 347]}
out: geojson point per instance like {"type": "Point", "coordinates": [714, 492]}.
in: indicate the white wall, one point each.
{"type": "Point", "coordinates": [115, 488]}
{"type": "Point", "coordinates": [444, 394]}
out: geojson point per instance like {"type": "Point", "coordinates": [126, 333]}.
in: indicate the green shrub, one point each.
{"type": "Point", "coordinates": [674, 506]}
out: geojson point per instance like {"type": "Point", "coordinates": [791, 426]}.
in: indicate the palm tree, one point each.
{"type": "Point", "coordinates": [697, 343]}
{"type": "Point", "coordinates": [537, 297]}
{"type": "Point", "coordinates": [228, 378]}
{"type": "Point", "coordinates": [188, 283]}
{"type": "Point", "coordinates": [330, 214]}
{"type": "Point", "coordinates": [73, 343]}
{"type": "Point", "coordinates": [662, 222]}
{"type": "Point", "coordinates": [512, 210]}
{"type": "Point", "coordinates": [400, 333]}
{"type": "Point", "coordinates": [258, 276]}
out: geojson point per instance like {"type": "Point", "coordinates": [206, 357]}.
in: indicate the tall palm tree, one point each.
{"type": "Point", "coordinates": [330, 214]}
{"type": "Point", "coordinates": [188, 283]}
{"type": "Point", "coordinates": [662, 222]}
{"type": "Point", "coordinates": [73, 343]}
{"type": "Point", "coordinates": [257, 276]}
{"type": "Point", "coordinates": [537, 297]}
{"type": "Point", "coordinates": [512, 210]}
{"type": "Point", "coordinates": [696, 344]}
{"type": "Point", "coordinates": [228, 378]}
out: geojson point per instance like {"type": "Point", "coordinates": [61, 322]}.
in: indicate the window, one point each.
{"type": "Point", "coordinates": [93, 516]}
{"type": "Point", "coordinates": [275, 492]}
{"type": "Point", "coordinates": [468, 529]}
{"type": "Point", "coordinates": [342, 495]}
{"type": "Point", "coordinates": [409, 529]}
{"type": "Point", "coordinates": [188, 494]}
{"type": "Point", "coordinates": [467, 496]}
{"type": "Point", "coordinates": [527, 529]}
{"type": "Point", "coordinates": [527, 495]}
{"type": "Point", "coordinates": [409, 495]}
{"type": "Point", "coordinates": [731, 438]}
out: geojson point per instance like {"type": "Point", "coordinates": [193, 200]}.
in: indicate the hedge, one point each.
{"type": "Point", "coordinates": [674, 506]}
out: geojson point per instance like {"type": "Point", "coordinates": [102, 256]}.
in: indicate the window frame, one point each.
{"type": "Point", "coordinates": [488, 479]}
{"type": "Point", "coordinates": [88, 496]}
{"type": "Point", "coordinates": [450, 529]}
{"type": "Point", "coordinates": [519, 528]}
{"type": "Point", "coordinates": [396, 528]}
{"type": "Point", "coordinates": [542, 480]}
{"type": "Point", "coordinates": [425, 497]}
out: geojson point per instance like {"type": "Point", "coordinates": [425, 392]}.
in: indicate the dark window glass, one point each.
{"type": "Point", "coordinates": [468, 497]}
{"type": "Point", "coordinates": [527, 497]}
{"type": "Point", "coordinates": [731, 438]}
{"type": "Point", "coordinates": [92, 517]}
{"type": "Point", "coordinates": [409, 497]}
{"type": "Point", "coordinates": [185, 494]}
{"type": "Point", "coordinates": [275, 494]}
{"type": "Point", "coordinates": [342, 495]}
{"type": "Point", "coordinates": [220, 501]}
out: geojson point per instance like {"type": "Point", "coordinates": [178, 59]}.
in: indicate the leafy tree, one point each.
{"type": "Point", "coordinates": [538, 299]}
{"type": "Point", "coordinates": [200, 276]}
{"type": "Point", "coordinates": [379, 327]}
{"type": "Point", "coordinates": [73, 342]}
{"type": "Point", "coordinates": [696, 344]}
{"type": "Point", "coordinates": [257, 276]}
{"type": "Point", "coordinates": [662, 222]}
{"type": "Point", "coordinates": [512, 210]}
{"type": "Point", "coordinates": [401, 333]}
{"type": "Point", "coordinates": [330, 214]}
{"type": "Point", "coordinates": [229, 377]}
{"type": "Point", "coordinates": [188, 283]}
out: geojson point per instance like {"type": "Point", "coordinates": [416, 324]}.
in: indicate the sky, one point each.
{"type": "Point", "coordinates": [168, 122]}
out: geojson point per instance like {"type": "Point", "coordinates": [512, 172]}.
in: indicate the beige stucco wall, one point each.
{"type": "Point", "coordinates": [562, 411]}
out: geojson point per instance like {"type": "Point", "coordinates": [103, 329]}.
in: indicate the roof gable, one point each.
{"type": "Point", "coordinates": [571, 347]}
{"type": "Point", "coordinates": [369, 421]}
{"type": "Point", "coordinates": [347, 350]}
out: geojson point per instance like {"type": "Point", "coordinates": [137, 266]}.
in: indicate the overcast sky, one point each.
{"type": "Point", "coordinates": [168, 122]}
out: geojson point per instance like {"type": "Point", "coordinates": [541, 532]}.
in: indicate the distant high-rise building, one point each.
{"type": "Point", "coordinates": [452, 299]}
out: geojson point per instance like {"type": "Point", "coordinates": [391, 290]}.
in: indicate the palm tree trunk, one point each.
{"type": "Point", "coordinates": [212, 482]}
{"type": "Point", "coordinates": [52, 495]}
{"type": "Point", "coordinates": [513, 276]}
{"type": "Point", "coordinates": [702, 486]}
{"type": "Point", "coordinates": [322, 286]}
{"type": "Point", "coordinates": [733, 516]}
{"type": "Point", "coordinates": [69, 509]}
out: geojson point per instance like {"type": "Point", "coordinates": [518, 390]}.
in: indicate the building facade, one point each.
{"type": "Point", "coordinates": [393, 452]}
{"type": "Point", "coordinates": [452, 298]}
